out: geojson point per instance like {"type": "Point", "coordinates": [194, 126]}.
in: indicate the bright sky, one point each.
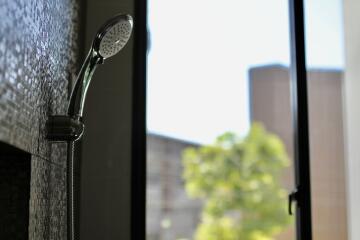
{"type": "Point", "coordinates": [201, 51]}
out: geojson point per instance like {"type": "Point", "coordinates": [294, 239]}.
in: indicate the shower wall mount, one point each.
{"type": "Point", "coordinates": [109, 40]}
{"type": "Point", "coordinates": [63, 128]}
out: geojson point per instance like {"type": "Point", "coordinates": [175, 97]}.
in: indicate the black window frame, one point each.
{"type": "Point", "coordinates": [299, 93]}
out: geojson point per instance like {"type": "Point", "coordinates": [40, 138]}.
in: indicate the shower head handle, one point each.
{"type": "Point", "coordinates": [77, 98]}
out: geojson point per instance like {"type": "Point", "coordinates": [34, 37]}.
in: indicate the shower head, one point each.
{"type": "Point", "coordinates": [109, 40]}
{"type": "Point", "coordinates": [113, 36]}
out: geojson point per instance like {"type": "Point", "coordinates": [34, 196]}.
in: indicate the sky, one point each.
{"type": "Point", "coordinates": [201, 51]}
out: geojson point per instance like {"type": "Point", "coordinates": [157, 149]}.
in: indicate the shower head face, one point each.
{"type": "Point", "coordinates": [113, 36]}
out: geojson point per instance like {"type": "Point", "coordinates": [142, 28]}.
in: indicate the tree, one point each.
{"type": "Point", "coordinates": [239, 181]}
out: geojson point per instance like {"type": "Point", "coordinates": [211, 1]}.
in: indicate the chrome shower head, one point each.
{"type": "Point", "coordinates": [113, 36]}
{"type": "Point", "coordinates": [109, 40]}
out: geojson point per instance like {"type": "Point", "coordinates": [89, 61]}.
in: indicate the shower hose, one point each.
{"type": "Point", "coordinates": [71, 205]}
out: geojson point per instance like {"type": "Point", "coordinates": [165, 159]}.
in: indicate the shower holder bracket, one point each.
{"type": "Point", "coordinates": [62, 128]}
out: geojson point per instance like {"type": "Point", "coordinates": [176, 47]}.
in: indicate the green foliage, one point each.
{"type": "Point", "coordinates": [239, 181]}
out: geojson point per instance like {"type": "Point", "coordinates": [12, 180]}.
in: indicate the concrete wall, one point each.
{"type": "Point", "coordinates": [352, 113]}
{"type": "Point", "coordinates": [106, 145]}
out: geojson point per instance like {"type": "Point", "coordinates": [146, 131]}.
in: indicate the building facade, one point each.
{"type": "Point", "coordinates": [271, 105]}
{"type": "Point", "coordinates": [170, 213]}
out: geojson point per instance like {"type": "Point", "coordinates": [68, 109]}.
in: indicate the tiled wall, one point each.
{"type": "Point", "coordinates": [38, 57]}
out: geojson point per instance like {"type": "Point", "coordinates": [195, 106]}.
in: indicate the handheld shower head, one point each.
{"type": "Point", "coordinates": [109, 40]}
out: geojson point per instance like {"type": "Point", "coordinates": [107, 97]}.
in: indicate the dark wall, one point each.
{"type": "Point", "coordinates": [106, 149]}
{"type": "Point", "coordinates": [38, 57]}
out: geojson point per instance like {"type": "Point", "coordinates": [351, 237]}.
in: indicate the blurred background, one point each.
{"type": "Point", "coordinates": [228, 73]}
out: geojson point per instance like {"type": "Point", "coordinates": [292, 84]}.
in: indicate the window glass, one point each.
{"type": "Point", "coordinates": [220, 148]}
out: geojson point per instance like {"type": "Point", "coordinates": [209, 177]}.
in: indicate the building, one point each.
{"type": "Point", "coordinates": [270, 104]}
{"type": "Point", "coordinates": [170, 213]}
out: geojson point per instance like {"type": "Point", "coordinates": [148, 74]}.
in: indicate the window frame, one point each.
{"type": "Point", "coordinates": [299, 94]}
